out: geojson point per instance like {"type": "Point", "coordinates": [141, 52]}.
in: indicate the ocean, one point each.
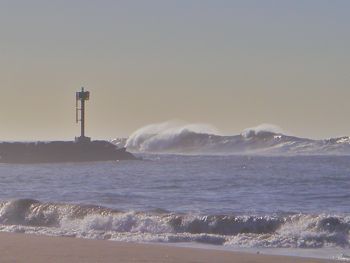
{"type": "Point", "coordinates": [293, 204]}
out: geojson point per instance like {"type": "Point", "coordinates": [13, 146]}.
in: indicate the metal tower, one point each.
{"type": "Point", "coordinates": [81, 96]}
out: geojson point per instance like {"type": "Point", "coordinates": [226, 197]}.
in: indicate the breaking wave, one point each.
{"type": "Point", "coordinates": [182, 138]}
{"type": "Point", "coordinates": [173, 135]}
{"type": "Point", "coordinates": [287, 231]}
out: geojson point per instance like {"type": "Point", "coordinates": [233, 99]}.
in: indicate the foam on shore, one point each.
{"type": "Point", "coordinates": [295, 231]}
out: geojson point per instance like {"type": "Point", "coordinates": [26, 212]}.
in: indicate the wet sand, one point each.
{"type": "Point", "coordinates": [32, 248]}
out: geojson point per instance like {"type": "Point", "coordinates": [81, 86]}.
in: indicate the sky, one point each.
{"type": "Point", "coordinates": [231, 64]}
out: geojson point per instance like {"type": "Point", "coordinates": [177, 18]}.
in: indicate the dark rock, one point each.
{"type": "Point", "coordinates": [61, 151]}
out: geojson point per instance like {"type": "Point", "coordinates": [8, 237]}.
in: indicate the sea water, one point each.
{"type": "Point", "coordinates": [292, 204]}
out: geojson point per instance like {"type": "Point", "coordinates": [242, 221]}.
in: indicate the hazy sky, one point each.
{"type": "Point", "coordinates": [233, 64]}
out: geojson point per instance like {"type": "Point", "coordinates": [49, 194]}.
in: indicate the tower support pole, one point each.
{"type": "Point", "coordinates": [82, 122]}
{"type": "Point", "coordinates": [82, 96]}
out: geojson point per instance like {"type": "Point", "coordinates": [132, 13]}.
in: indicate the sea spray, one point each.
{"type": "Point", "coordinates": [201, 139]}
{"type": "Point", "coordinates": [166, 135]}
{"type": "Point", "coordinates": [262, 129]}
{"type": "Point", "coordinates": [299, 230]}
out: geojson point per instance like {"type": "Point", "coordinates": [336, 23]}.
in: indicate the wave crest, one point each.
{"type": "Point", "coordinates": [182, 138]}
{"type": "Point", "coordinates": [262, 131]}
{"type": "Point", "coordinates": [167, 136]}
{"type": "Point", "coordinates": [300, 230]}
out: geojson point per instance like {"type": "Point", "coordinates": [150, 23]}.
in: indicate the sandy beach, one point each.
{"type": "Point", "coordinates": [32, 248]}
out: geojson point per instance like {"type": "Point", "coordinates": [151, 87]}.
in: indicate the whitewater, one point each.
{"type": "Point", "coordinates": [200, 139]}
{"type": "Point", "coordinates": [260, 190]}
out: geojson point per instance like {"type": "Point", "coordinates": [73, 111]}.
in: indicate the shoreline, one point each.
{"type": "Point", "coordinates": [19, 247]}
{"type": "Point", "coordinates": [331, 253]}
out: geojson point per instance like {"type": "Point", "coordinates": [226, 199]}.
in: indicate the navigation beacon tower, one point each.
{"type": "Point", "coordinates": [81, 96]}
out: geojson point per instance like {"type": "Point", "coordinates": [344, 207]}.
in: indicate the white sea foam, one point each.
{"type": "Point", "coordinates": [155, 137]}
{"type": "Point", "coordinates": [289, 231]}
{"type": "Point", "coordinates": [184, 138]}
{"type": "Point", "coordinates": [261, 129]}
